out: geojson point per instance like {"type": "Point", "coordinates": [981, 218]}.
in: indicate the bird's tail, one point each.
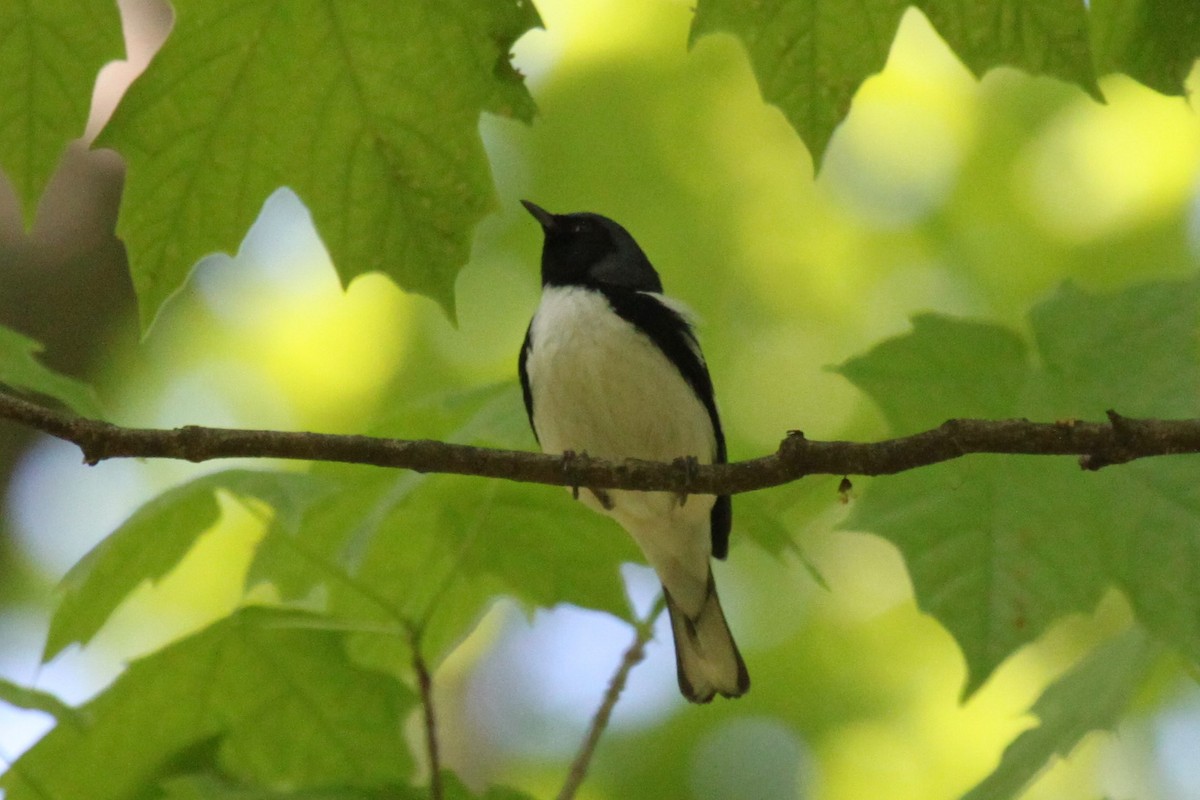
{"type": "Point", "coordinates": [706, 658]}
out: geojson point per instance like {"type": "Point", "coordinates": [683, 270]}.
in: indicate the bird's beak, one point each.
{"type": "Point", "coordinates": [544, 217]}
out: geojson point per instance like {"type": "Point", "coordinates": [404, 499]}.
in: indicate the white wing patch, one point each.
{"type": "Point", "coordinates": [690, 317]}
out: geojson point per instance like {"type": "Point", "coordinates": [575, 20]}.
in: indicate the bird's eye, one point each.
{"type": "Point", "coordinates": [577, 227]}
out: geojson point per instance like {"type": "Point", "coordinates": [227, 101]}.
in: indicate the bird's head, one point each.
{"type": "Point", "coordinates": [585, 249]}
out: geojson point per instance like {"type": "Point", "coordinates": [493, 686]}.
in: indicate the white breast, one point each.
{"type": "Point", "coordinates": [602, 387]}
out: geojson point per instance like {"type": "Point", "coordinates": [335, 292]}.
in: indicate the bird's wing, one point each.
{"type": "Point", "coordinates": [672, 333]}
{"type": "Point", "coordinates": [526, 391]}
{"type": "Point", "coordinates": [722, 522]}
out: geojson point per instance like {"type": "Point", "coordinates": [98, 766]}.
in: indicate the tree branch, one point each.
{"type": "Point", "coordinates": [644, 632]}
{"type": "Point", "coordinates": [1098, 444]}
{"type": "Point", "coordinates": [425, 685]}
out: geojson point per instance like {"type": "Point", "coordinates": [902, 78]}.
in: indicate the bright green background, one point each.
{"type": "Point", "coordinates": [959, 203]}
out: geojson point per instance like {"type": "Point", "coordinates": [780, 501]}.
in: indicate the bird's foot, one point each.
{"type": "Point", "coordinates": [689, 466]}
{"type": "Point", "coordinates": [603, 497]}
{"type": "Point", "coordinates": [568, 460]}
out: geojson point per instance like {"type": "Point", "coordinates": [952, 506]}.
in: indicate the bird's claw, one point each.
{"type": "Point", "coordinates": [690, 467]}
{"type": "Point", "coordinates": [569, 457]}
{"type": "Point", "coordinates": [568, 461]}
{"type": "Point", "coordinates": [603, 498]}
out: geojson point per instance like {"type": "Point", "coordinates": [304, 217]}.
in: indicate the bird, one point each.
{"type": "Point", "coordinates": [611, 368]}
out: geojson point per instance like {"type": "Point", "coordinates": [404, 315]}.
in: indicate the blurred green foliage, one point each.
{"type": "Point", "coordinates": [1092, 696]}
{"type": "Point", "coordinates": [20, 369]}
{"type": "Point", "coordinates": [960, 202]}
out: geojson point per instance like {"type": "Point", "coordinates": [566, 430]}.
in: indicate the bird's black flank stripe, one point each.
{"type": "Point", "coordinates": [527, 392]}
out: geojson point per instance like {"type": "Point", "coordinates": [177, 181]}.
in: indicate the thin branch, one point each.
{"type": "Point", "coordinates": [425, 687]}
{"type": "Point", "coordinates": [644, 631]}
{"type": "Point", "coordinates": [1097, 444]}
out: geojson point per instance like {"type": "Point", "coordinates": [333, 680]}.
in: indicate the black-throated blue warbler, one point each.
{"type": "Point", "coordinates": [611, 367]}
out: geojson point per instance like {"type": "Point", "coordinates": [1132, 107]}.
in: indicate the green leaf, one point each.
{"type": "Point", "coordinates": [369, 111]}
{"type": "Point", "coordinates": [1154, 41]}
{"type": "Point", "coordinates": [38, 700]}
{"type": "Point", "coordinates": [810, 56]}
{"type": "Point", "coordinates": [49, 56]}
{"type": "Point", "coordinates": [212, 787]}
{"type": "Point", "coordinates": [154, 540]}
{"type": "Point", "coordinates": [774, 520]}
{"type": "Point", "coordinates": [1042, 37]}
{"type": "Point", "coordinates": [20, 369]}
{"type": "Point", "coordinates": [1136, 351]}
{"type": "Point", "coordinates": [454, 789]}
{"type": "Point", "coordinates": [1143, 522]}
{"type": "Point", "coordinates": [990, 549]}
{"type": "Point", "coordinates": [298, 560]}
{"type": "Point", "coordinates": [1092, 696]}
{"type": "Point", "coordinates": [971, 369]}
{"type": "Point", "coordinates": [1001, 547]}
{"type": "Point", "coordinates": [282, 703]}
{"type": "Point", "coordinates": [397, 552]}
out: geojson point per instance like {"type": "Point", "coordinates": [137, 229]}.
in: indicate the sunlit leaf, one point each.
{"type": "Point", "coordinates": [282, 703]}
{"type": "Point", "coordinates": [454, 789]}
{"type": "Point", "coordinates": [49, 56]}
{"type": "Point", "coordinates": [20, 369]}
{"type": "Point", "coordinates": [38, 700]}
{"type": "Point", "coordinates": [1090, 697]}
{"type": "Point", "coordinates": [988, 552]}
{"type": "Point", "coordinates": [154, 540]}
{"type": "Point", "coordinates": [212, 787]}
{"type": "Point", "coordinates": [369, 111]}
{"type": "Point", "coordinates": [810, 56]}
{"type": "Point", "coordinates": [397, 551]}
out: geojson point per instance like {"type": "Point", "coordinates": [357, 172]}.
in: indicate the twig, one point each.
{"type": "Point", "coordinates": [633, 656]}
{"type": "Point", "coordinates": [1098, 444]}
{"type": "Point", "coordinates": [425, 687]}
